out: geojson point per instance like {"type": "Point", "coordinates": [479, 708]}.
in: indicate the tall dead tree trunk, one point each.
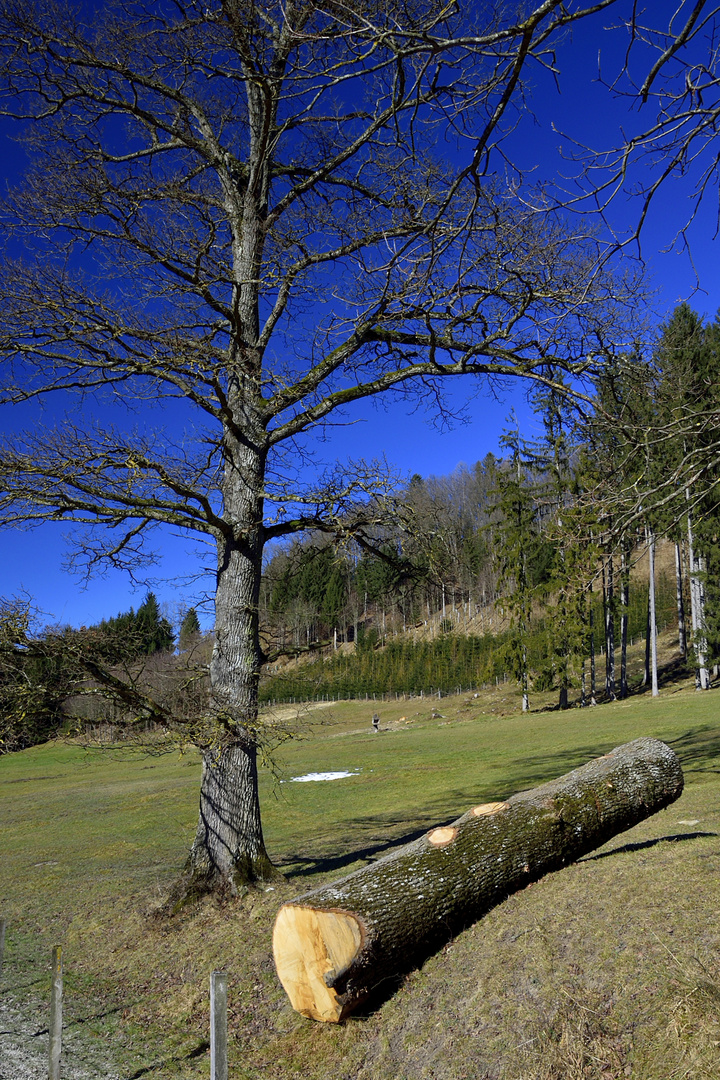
{"type": "Point", "coordinates": [652, 617]}
{"type": "Point", "coordinates": [625, 607]}
{"type": "Point", "coordinates": [333, 946]}
{"type": "Point", "coordinates": [697, 606]}
{"type": "Point", "coordinates": [680, 600]}
{"type": "Point", "coordinates": [593, 673]}
{"type": "Point", "coordinates": [609, 608]}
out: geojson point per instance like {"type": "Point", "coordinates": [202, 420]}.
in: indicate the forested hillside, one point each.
{"type": "Point", "coordinates": [527, 565]}
{"type": "Point", "coordinates": [536, 567]}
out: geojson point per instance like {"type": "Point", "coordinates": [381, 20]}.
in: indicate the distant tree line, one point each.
{"type": "Point", "coordinates": [547, 535]}
{"type": "Point", "coordinates": [62, 678]}
{"type": "Point", "coordinates": [522, 566]}
{"type": "Point", "coordinates": [139, 633]}
{"type": "Point", "coordinates": [450, 663]}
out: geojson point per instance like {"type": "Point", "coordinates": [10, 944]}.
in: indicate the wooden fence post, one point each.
{"type": "Point", "coordinates": [3, 924]}
{"type": "Point", "coordinates": [55, 1026]}
{"type": "Point", "coordinates": [218, 1026]}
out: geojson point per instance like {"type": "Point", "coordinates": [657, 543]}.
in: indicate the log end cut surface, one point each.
{"type": "Point", "coordinates": [311, 948]}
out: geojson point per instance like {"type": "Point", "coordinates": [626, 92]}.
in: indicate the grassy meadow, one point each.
{"type": "Point", "coordinates": [607, 969]}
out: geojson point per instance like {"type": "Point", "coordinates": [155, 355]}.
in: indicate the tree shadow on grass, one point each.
{"type": "Point", "coordinates": [384, 833]}
{"type": "Point", "coordinates": [640, 845]}
{"type": "Point", "coordinates": [698, 750]}
{"type": "Point", "coordinates": [197, 1051]}
{"type": "Point", "coordinates": [672, 672]}
{"type": "Point", "coordinates": [326, 864]}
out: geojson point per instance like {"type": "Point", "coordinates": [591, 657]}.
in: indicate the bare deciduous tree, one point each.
{"type": "Point", "coordinates": [670, 82]}
{"type": "Point", "coordinates": [260, 212]}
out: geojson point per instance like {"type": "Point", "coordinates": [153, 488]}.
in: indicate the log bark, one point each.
{"type": "Point", "coordinates": [335, 945]}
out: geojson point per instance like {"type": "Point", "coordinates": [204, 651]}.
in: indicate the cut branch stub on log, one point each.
{"type": "Point", "coordinates": [335, 945]}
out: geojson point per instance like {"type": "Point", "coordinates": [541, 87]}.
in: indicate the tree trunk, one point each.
{"type": "Point", "coordinates": [697, 608]}
{"type": "Point", "coordinates": [625, 604]}
{"type": "Point", "coordinates": [646, 668]}
{"type": "Point", "coordinates": [334, 945]}
{"type": "Point", "coordinates": [228, 850]}
{"type": "Point", "coordinates": [609, 598]}
{"type": "Point", "coordinates": [651, 611]}
{"type": "Point", "coordinates": [682, 636]}
{"type": "Point", "coordinates": [593, 676]}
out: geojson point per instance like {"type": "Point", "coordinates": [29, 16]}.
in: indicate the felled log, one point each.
{"type": "Point", "coordinates": [335, 945]}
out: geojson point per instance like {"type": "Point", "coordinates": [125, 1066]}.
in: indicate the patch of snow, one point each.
{"type": "Point", "coordinates": [311, 776]}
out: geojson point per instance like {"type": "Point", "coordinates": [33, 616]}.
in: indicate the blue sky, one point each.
{"type": "Point", "coordinates": [33, 561]}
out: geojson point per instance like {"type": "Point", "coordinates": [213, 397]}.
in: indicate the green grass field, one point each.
{"type": "Point", "coordinates": [607, 969]}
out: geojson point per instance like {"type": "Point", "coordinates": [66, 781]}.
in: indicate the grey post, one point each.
{"type": "Point", "coordinates": [55, 1026]}
{"type": "Point", "coordinates": [218, 1026]}
{"type": "Point", "coordinates": [3, 924]}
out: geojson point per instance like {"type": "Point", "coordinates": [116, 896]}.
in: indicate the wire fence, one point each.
{"type": "Point", "coordinates": [218, 1015]}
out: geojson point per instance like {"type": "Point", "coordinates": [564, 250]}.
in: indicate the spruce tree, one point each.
{"type": "Point", "coordinates": [516, 536]}
{"type": "Point", "coordinates": [152, 629]}
{"type": "Point", "coordinates": [189, 629]}
{"type": "Point", "coordinates": [565, 585]}
{"type": "Point", "coordinates": [688, 358]}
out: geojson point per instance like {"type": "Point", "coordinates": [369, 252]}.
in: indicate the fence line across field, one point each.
{"type": "Point", "coordinates": [218, 1016]}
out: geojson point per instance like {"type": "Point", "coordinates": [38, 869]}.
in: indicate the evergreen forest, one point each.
{"type": "Point", "coordinates": [537, 565]}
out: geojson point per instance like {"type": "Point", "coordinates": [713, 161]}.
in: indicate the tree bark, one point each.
{"type": "Point", "coordinates": [335, 945]}
{"type": "Point", "coordinates": [593, 699]}
{"type": "Point", "coordinates": [609, 599]}
{"type": "Point", "coordinates": [682, 637]}
{"type": "Point", "coordinates": [697, 607]}
{"type": "Point", "coordinates": [646, 666]}
{"type": "Point", "coordinates": [228, 850]}
{"type": "Point", "coordinates": [651, 610]}
{"type": "Point", "coordinates": [625, 605]}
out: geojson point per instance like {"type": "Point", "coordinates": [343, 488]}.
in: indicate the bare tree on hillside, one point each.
{"type": "Point", "coordinates": [259, 212]}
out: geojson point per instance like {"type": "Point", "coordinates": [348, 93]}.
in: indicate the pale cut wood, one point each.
{"type": "Point", "coordinates": [441, 837]}
{"type": "Point", "coordinates": [336, 945]}
{"type": "Point", "coordinates": [485, 809]}
{"type": "Point", "coordinates": [307, 945]}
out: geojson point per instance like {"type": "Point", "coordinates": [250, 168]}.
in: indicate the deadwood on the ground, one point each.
{"type": "Point", "coordinates": [336, 945]}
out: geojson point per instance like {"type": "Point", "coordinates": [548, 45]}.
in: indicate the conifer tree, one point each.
{"type": "Point", "coordinates": [564, 604]}
{"type": "Point", "coordinates": [687, 359]}
{"type": "Point", "coordinates": [189, 629]}
{"type": "Point", "coordinates": [153, 629]}
{"type": "Point", "coordinates": [617, 464]}
{"type": "Point", "coordinates": [516, 537]}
